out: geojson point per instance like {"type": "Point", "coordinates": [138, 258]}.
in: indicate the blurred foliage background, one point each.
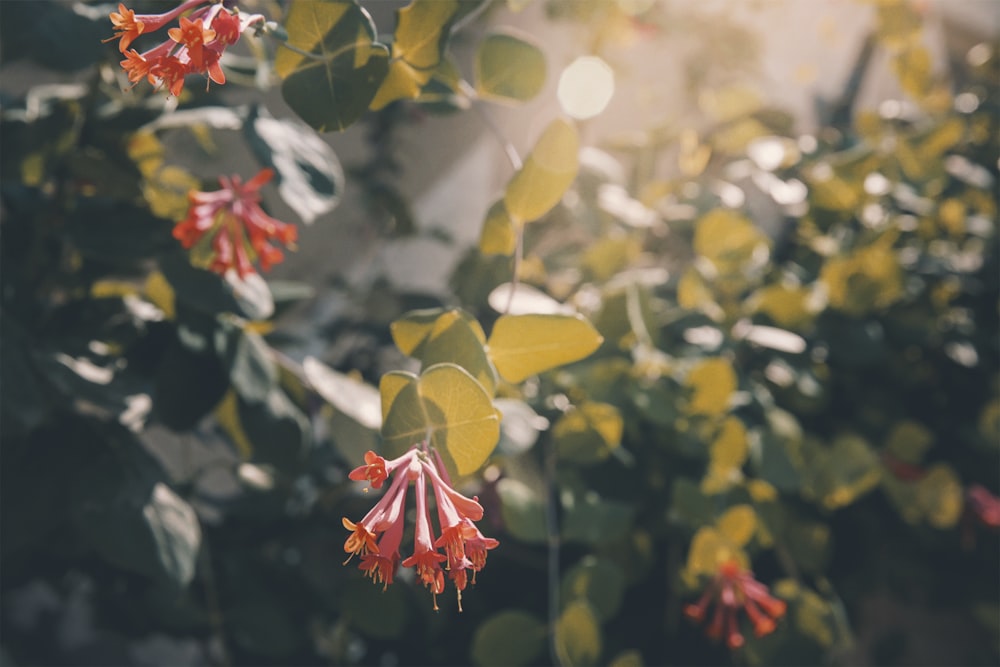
{"type": "Point", "coordinates": [799, 367]}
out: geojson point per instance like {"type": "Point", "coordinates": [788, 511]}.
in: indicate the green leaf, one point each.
{"type": "Point", "coordinates": [509, 68]}
{"type": "Point", "coordinates": [277, 429]}
{"type": "Point", "coordinates": [508, 638]}
{"type": "Point", "coordinates": [187, 386]}
{"type": "Point", "coordinates": [522, 345]}
{"type": "Point", "coordinates": [591, 519]}
{"type": "Point", "coordinates": [355, 398]}
{"type": "Point", "coordinates": [840, 474]}
{"type": "Point", "coordinates": [730, 241]}
{"type": "Point", "coordinates": [446, 405]}
{"type": "Point", "coordinates": [499, 235]}
{"type": "Point", "coordinates": [940, 495]}
{"type": "Point", "coordinates": [578, 635]}
{"type": "Point", "coordinates": [123, 508]}
{"type": "Point", "coordinates": [600, 582]}
{"type": "Point", "coordinates": [333, 87]}
{"type": "Point", "coordinates": [588, 433]}
{"type": "Point", "coordinates": [440, 336]}
{"type": "Point", "coordinates": [523, 511]}
{"type": "Point", "coordinates": [248, 358]}
{"type": "Point", "coordinates": [546, 175]}
{"type": "Point", "coordinates": [419, 42]}
{"type": "Point", "coordinates": [307, 172]}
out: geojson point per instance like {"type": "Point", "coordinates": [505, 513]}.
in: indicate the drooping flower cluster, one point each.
{"type": "Point", "coordinates": [194, 46]}
{"type": "Point", "coordinates": [233, 223]}
{"type": "Point", "coordinates": [732, 589]}
{"type": "Point", "coordinates": [376, 538]}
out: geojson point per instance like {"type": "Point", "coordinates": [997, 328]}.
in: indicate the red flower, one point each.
{"type": "Point", "coordinates": [465, 547]}
{"type": "Point", "coordinates": [195, 46]}
{"type": "Point", "coordinates": [983, 505]}
{"type": "Point", "coordinates": [373, 470]}
{"type": "Point", "coordinates": [239, 230]}
{"type": "Point", "coordinates": [734, 588]}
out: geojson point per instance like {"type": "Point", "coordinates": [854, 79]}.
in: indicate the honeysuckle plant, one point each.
{"type": "Point", "coordinates": [679, 434]}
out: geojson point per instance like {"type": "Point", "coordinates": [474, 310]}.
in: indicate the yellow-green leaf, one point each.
{"type": "Point", "coordinates": [729, 240]}
{"type": "Point", "coordinates": [712, 383]}
{"type": "Point", "coordinates": [390, 385]}
{"type": "Point", "coordinates": [546, 175]}
{"type": "Point", "coordinates": [710, 549]}
{"type": "Point", "coordinates": [332, 86]}
{"type": "Point", "coordinates": [578, 635]}
{"type": "Point", "coordinates": [589, 432]}
{"type": "Point", "coordinates": [446, 405]}
{"type": "Point", "coordinates": [509, 67]}
{"type": "Point", "coordinates": [738, 524]}
{"type": "Point", "coordinates": [419, 41]}
{"type": "Point", "coordinates": [628, 659]}
{"type": "Point", "coordinates": [939, 492]}
{"type": "Point", "coordinates": [228, 417]}
{"type": "Point", "coordinates": [439, 336]}
{"type": "Point", "coordinates": [523, 345]}
{"type": "Point", "coordinates": [908, 441]}
{"type": "Point", "coordinates": [499, 236]}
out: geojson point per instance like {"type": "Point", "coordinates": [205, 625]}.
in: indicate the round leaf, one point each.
{"type": "Point", "coordinates": [578, 635]}
{"type": "Point", "coordinates": [712, 383]}
{"type": "Point", "coordinates": [546, 175]}
{"type": "Point", "coordinates": [589, 432]}
{"type": "Point", "coordinates": [599, 582]}
{"type": "Point", "coordinates": [508, 67]}
{"type": "Point", "coordinates": [508, 638]}
{"type": "Point", "coordinates": [523, 345]}
{"type": "Point", "coordinates": [450, 408]}
{"type": "Point", "coordinates": [355, 398]}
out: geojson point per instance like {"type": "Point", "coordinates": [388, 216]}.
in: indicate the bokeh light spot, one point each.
{"type": "Point", "coordinates": [586, 87]}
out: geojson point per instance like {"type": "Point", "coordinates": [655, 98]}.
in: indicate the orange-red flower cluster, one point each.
{"type": "Point", "coordinates": [232, 220]}
{"type": "Point", "coordinates": [732, 589]}
{"type": "Point", "coordinates": [377, 537]}
{"type": "Point", "coordinates": [194, 46]}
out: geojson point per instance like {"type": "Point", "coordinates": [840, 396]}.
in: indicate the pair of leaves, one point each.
{"type": "Point", "coordinates": [535, 189]}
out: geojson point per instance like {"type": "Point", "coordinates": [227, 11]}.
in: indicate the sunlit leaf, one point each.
{"type": "Point", "coordinates": [333, 86]}
{"type": "Point", "coordinates": [729, 240]}
{"type": "Point", "coordinates": [454, 336]}
{"type": "Point", "coordinates": [492, 643]}
{"type": "Point", "coordinates": [419, 40]}
{"type": "Point", "coordinates": [546, 175]}
{"type": "Point", "coordinates": [738, 524]}
{"type": "Point", "coordinates": [499, 236]}
{"type": "Point", "coordinates": [709, 549]}
{"type": "Point", "coordinates": [448, 407]}
{"type": "Point", "coordinates": [522, 345]}
{"type": "Point", "coordinates": [509, 67]}
{"type": "Point", "coordinates": [578, 635]}
{"type": "Point", "coordinates": [589, 432]}
{"type": "Point", "coordinates": [628, 659]}
{"type": "Point", "coordinates": [712, 383]}
{"type": "Point", "coordinates": [307, 172]}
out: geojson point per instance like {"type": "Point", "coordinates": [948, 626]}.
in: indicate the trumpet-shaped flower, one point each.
{"type": "Point", "coordinates": [194, 46]}
{"type": "Point", "coordinates": [464, 546]}
{"type": "Point", "coordinates": [232, 222]}
{"type": "Point", "coordinates": [734, 588]}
